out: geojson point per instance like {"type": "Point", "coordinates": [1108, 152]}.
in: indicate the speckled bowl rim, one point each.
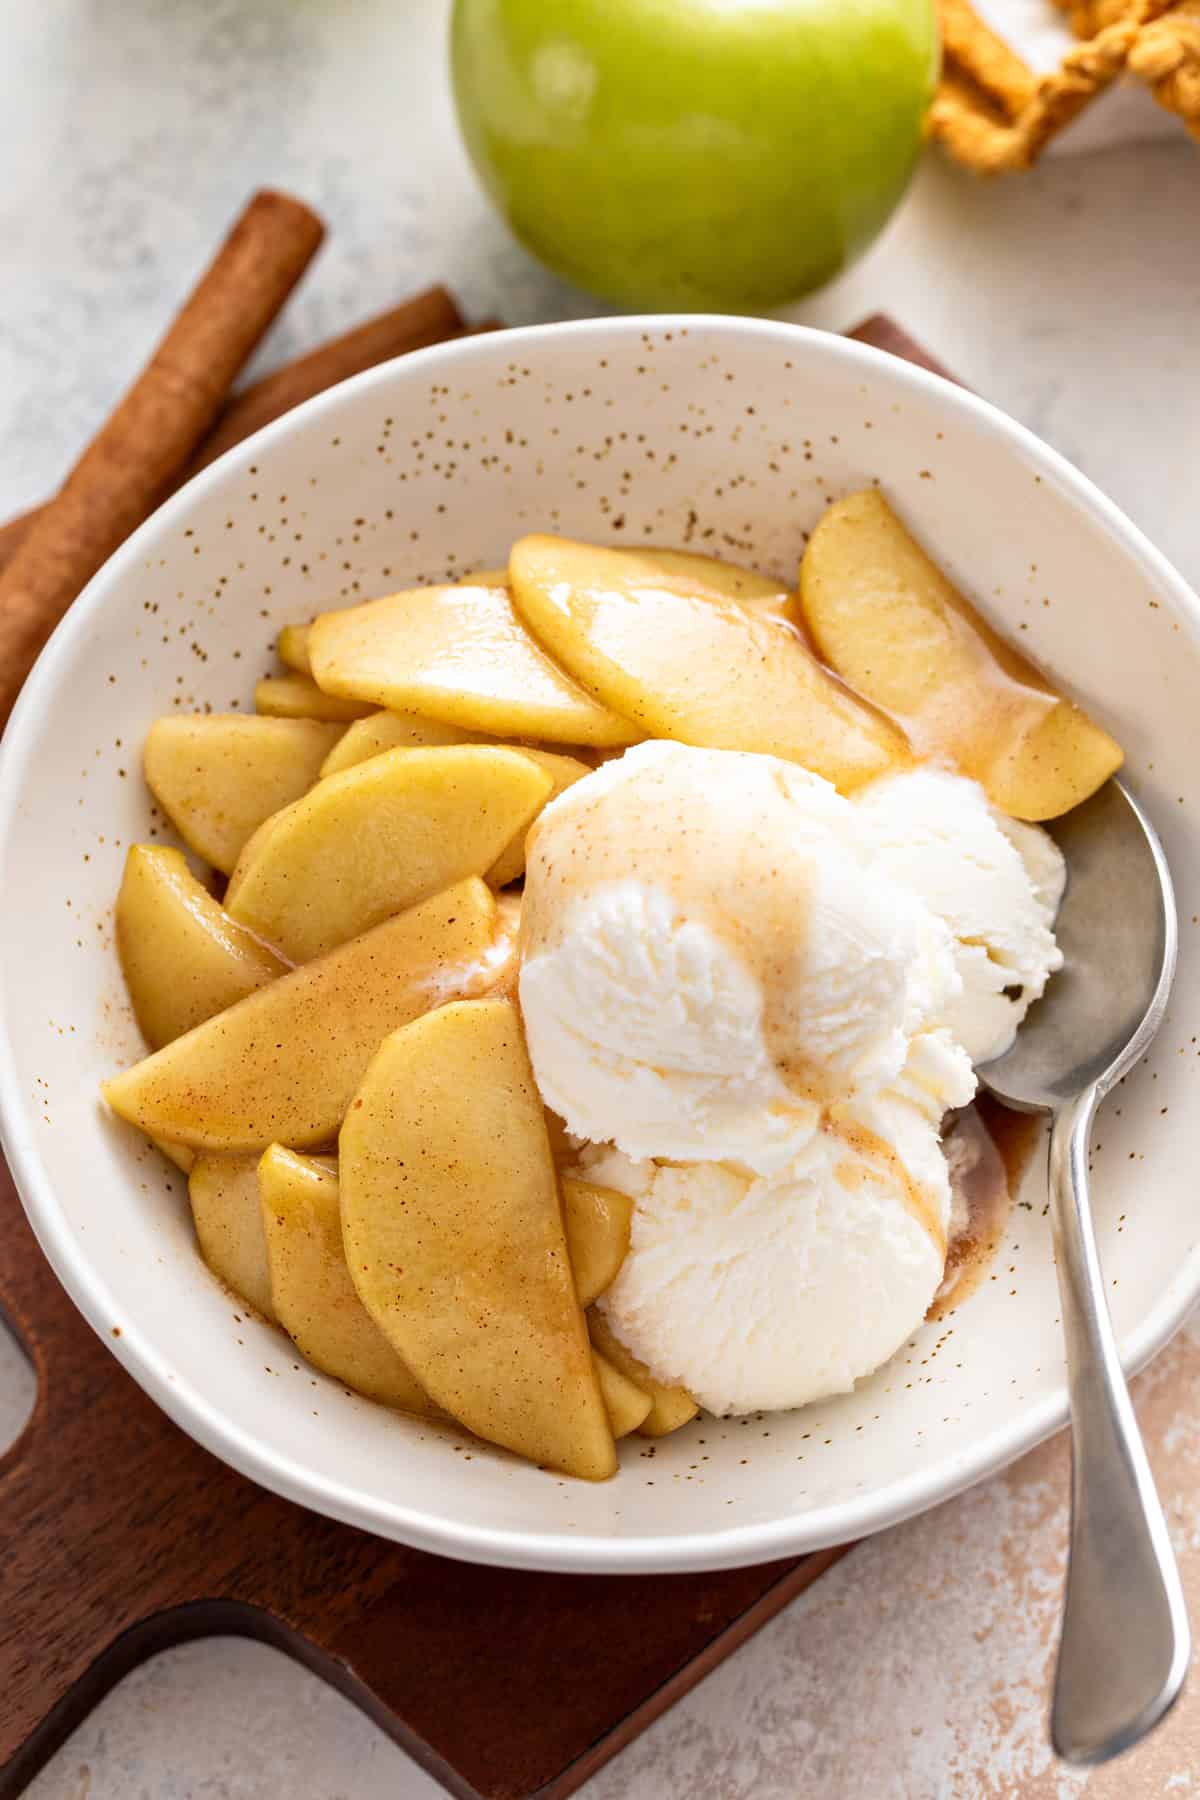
{"type": "Point", "coordinates": [790, 1535]}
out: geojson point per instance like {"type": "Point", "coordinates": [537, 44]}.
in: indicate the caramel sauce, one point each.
{"type": "Point", "coordinates": [988, 1148]}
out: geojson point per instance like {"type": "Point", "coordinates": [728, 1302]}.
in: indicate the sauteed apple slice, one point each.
{"type": "Point", "coordinates": [459, 654]}
{"type": "Point", "coordinates": [292, 649]}
{"type": "Point", "coordinates": [294, 696]}
{"type": "Point", "coordinates": [717, 579]}
{"type": "Point", "coordinates": [380, 837]}
{"type": "Point", "coordinates": [628, 1406]}
{"type": "Point", "coordinates": [228, 1217]}
{"type": "Point", "coordinates": [396, 731]}
{"type": "Point", "coordinates": [454, 1238]}
{"type": "Point", "coordinates": [382, 731]}
{"type": "Point", "coordinates": [672, 651]}
{"type": "Point", "coordinates": [887, 619]}
{"type": "Point", "coordinates": [314, 1298]}
{"type": "Point", "coordinates": [182, 1155]}
{"type": "Point", "coordinates": [597, 1222]}
{"type": "Point", "coordinates": [563, 771]}
{"type": "Point", "coordinates": [292, 646]}
{"type": "Point", "coordinates": [217, 776]}
{"type": "Point", "coordinates": [670, 1407]}
{"type": "Point", "coordinates": [182, 957]}
{"type": "Point", "coordinates": [283, 1064]}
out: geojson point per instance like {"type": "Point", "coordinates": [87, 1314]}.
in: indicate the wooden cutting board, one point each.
{"type": "Point", "coordinates": [120, 1536]}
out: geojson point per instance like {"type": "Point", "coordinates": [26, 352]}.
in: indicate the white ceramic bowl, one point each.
{"type": "Point", "coordinates": [726, 434]}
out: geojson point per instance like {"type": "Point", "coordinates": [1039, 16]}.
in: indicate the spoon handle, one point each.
{"type": "Point", "coordinates": [1125, 1642]}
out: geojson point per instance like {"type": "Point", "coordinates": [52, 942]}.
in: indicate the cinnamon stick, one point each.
{"type": "Point", "coordinates": [148, 439]}
{"type": "Point", "coordinates": [427, 318]}
{"type": "Point", "coordinates": [15, 532]}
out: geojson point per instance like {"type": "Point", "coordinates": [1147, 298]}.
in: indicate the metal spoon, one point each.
{"type": "Point", "coordinates": [1125, 1641]}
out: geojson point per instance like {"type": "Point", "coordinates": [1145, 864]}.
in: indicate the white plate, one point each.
{"type": "Point", "coordinates": [726, 434]}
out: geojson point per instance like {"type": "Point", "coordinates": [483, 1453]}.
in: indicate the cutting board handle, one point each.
{"type": "Point", "coordinates": [121, 1536]}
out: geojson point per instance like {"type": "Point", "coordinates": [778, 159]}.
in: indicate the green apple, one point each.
{"type": "Point", "coordinates": [728, 154]}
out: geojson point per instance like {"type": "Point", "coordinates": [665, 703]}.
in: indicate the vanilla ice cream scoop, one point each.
{"type": "Point", "coordinates": [763, 1292]}
{"type": "Point", "coordinates": [755, 1000]}
{"type": "Point", "coordinates": [996, 884]}
{"type": "Point", "coordinates": [709, 957]}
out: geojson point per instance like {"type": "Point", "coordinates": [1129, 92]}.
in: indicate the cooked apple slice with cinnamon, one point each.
{"type": "Point", "coordinates": [383, 731]}
{"type": "Point", "coordinates": [597, 1222]}
{"type": "Point", "coordinates": [404, 731]}
{"type": "Point", "coordinates": [484, 578]}
{"type": "Point", "coordinates": [182, 957]}
{"type": "Point", "coordinates": [628, 1406]}
{"type": "Point", "coordinates": [728, 581]}
{"type": "Point", "coordinates": [293, 696]}
{"type": "Point", "coordinates": [282, 1065]}
{"type": "Point", "coordinates": [182, 1155]}
{"type": "Point", "coordinates": [888, 620]}
{"type": "Point", "coordinates": [563, 771]}
{"type": "Point", "coordinates": [228, 1217]}
{"type": "Point", "coordinates": [672, 651]}
{"type": "Point", "coordinates": [380, 837]}
{"type": "Point", "coordinates": [454, 1238]}
{"type": "Point", "coordinates": [670, 1407]}
{"type": "Point", "coordinates": [462, 655]}
{"type": "Point", "coordinates": [292, 649]}
{"type": "Point", "coordinates": [313, 1296]}
{"type": "Point", "coordinates": [217, 776]}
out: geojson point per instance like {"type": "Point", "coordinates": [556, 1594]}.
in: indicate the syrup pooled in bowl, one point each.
{"type": "Point", "coordinates": [988, 1148]}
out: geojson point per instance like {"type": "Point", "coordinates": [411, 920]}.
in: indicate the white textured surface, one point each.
{"type": "Point", "coordinates": [129, 135]}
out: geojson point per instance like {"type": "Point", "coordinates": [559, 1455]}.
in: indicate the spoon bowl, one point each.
{"type": "Point", "coordinates": [1125, 1644]}
{"type": "Point", "coordinates": [1118, 931]}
